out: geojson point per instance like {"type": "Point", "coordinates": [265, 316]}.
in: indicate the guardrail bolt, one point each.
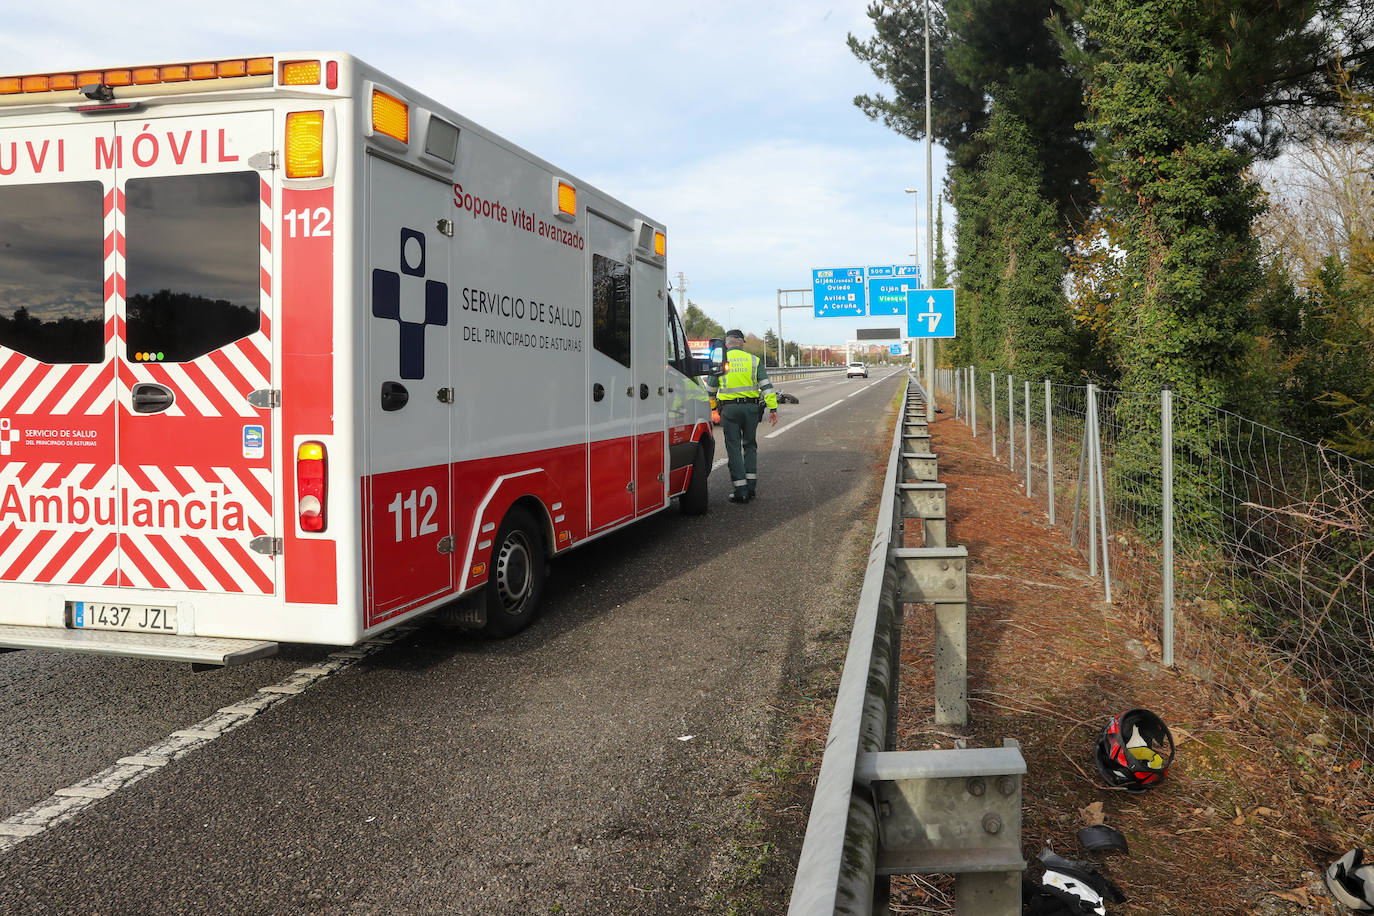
{"type": "Point", "coordinates": [944, 564]}
{"type": "Point", "coordinates": [1006, 785]}
{"type": "Point", "coordinates": [976, 785]}
{"type": "Point", "coordinates": [992, 823]}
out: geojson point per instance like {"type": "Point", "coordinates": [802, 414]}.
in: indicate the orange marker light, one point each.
{"type": "Point", "coordinates": [204, 71]}
{"type": "Point", "coordinates": [259, 66]}
{"type": "Point", "coordinates": [567, 198]}
{"type": "Point", "coordinates": [390, 116]}
{"type": "Point", "coordinates": [300, 73]}
{"type": "Point", "coordinates": [63, 81]}
{"type": "Point", "coordinates": [176, 73]}
{"type": "Point", "coordinates": [305, 144]}
{"type": "Point", "coordinates": [9, 85]}
{"type": "Point", "coordinates": [145, 75]}
{"type": "Point", "coordinates": [35, 84]}
{"type": "Point", "coordinates": [229, 68]}
{"type": "Point", "coordinates": [660, 244]}
{"type": "Point", "coordinates": [118, 77]}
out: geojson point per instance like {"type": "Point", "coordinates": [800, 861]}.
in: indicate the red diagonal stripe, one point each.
{"type": "Point", "coordinates": [231, 374]}
{"type": "Point", "coordinates": [98, 556]}
{"type": "Point", "coordinates": [266, 237]}
{"type": "Point", "coordinates": [30, 384]}
{"type": "Point", "coordinates": [267, 194]}
{"type": "Point", "coordinates": [95, 390]}
{"type": "Point", "coordinates": [266, 325]}
{"type": "Point", "coordinates": [71, 375]}
{"type": "Point", "coordinates": [236, 484]}
{"type": "Point", "coordinates": [72, 545]}
{"type": "Point", "coordinates": [256, 357]}
{"type": "Point", "coordinates": [7, 537]}
{"type": "Point", "coordinates": [109, 202]}
{"type": "Point", "coordinates": [21, 562]}
{"type": "Point", "coordinates": [221, 575]}
{"type": "Point", "coordinates": [136, 559]}
{"type": "Point", "coordinates": [266, 280]}
{"type": "Point", "coordinates": [119, 199]}
{"type": "Point", "coordinates": [172, 558]}
{"type": "Point", "coordinates": [207, 388]}
{"type": "Point", "coordinates": [135, 476]}
{"type": "Point", "coordinates": [110, 326]}
{"type": "Point", "coordinates": [249, 565]}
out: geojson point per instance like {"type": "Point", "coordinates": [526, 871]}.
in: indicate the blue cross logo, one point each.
{"type": "Point", "coordinates": [386, 301]}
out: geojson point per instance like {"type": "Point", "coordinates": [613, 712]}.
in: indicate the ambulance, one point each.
{"type": "Point", "coordinates": [289, 351]}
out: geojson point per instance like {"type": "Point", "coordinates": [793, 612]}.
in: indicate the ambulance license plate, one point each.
{"type": "Point", "coordinates": [130, 618]}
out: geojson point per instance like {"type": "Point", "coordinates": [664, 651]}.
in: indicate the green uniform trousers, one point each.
{"type": "Point", "coordinates": [741, 422]}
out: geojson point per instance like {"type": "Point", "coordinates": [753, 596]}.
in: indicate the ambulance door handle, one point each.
{"type": "Point", "coordinates": [598, 392]}
{"type": "Point", "coordinates": [150, 398]}
{"type": "Point", "coordinates": [643, 391]}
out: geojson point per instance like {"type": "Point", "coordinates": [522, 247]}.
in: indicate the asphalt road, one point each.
{"type": "Point", "coordinates": [592, 764]}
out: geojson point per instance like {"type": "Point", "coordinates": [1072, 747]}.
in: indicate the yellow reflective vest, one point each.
{"type": "Point", "coordinates": [745, 377]}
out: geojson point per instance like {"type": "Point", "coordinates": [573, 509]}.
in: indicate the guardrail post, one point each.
{"type": "Point", "coordinates": [1028, 438]}
{"type": "Point", "coordinates": [952, 812]}
{"type": "Point", "coordinates": [939, 576]}
{"type": "Point", "coordinates": [927, 502]}
{"type": "Point", "coordinates": [919, 466]}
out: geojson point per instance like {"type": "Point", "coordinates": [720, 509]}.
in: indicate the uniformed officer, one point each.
{"type": "Point", "coordinates": [737, 394]}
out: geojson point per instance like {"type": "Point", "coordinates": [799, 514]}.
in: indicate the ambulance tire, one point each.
{"type": "Point", "coordinates": [518, 567]}
{"type": "Point", "coordinates": [693, 501]}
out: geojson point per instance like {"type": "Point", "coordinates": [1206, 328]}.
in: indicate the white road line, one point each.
{"type": "Point", "coordinates": [782, 429]}
{"type": "Point", "coordinates": [65, 804]}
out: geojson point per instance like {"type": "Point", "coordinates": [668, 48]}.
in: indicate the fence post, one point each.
{"type": "Point", "coordinates": [1049, 449]}
{"type": "Point", "coordinates": [992, 389]}
{"type": "Point", "coordinates": [1101, 493]}
{"type": "Point", "coordinates": [1028, 438]}
{"type": "Point", "coordinates": [1087, 454]}
{"type": "Point", "coordinates": [1167, 472]}
{"type": "Point", "coordinates": [1011, 424]}
{"type": "Point", "coordinates": [973, 397]}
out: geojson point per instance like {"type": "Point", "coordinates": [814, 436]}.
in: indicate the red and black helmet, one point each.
{"type": "Point", "coordinates": [1135, 750]}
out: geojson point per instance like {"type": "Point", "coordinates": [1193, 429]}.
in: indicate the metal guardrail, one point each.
{"type": "Point", "coordinates": [878, 812]}
{"type": "Point", "coordinates": [783, 375]}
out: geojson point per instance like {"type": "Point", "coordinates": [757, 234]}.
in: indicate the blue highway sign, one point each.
{"type": "Point", "coordinates": [930, 313]}
{"type": "Point", "coordinates": [838, 292]}
{"type": "Point", "coordinates": [888, 286]}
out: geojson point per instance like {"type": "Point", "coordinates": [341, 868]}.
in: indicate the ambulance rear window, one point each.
{"type": "Point", "coordinates": [194, 264]}
{"type": "Point", "coordinates": [52, 302]}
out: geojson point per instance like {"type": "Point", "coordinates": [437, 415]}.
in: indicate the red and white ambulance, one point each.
{"type": "Point", "coordinates": [291, 352]}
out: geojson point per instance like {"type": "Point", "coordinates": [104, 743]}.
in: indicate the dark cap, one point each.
{"type": "Point", "coordinates": [735, 332]}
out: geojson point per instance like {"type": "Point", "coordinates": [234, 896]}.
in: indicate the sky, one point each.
{"type": "Point", "coordinates": [731, 122]}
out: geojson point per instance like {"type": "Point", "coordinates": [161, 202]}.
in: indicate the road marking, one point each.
{"type": "Point", "coordinates": [66, 803]}
{"type": "Point", "coordinates": [782, 429]}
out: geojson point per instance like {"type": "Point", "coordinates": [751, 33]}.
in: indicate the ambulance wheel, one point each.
{"type": "Point", "coordinates": [693, 501]}
{"type": "Point", "coordinates": [517, 575]}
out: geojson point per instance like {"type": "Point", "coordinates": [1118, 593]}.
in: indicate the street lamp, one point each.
{"type": "Point", "coordinates": [916, 201]}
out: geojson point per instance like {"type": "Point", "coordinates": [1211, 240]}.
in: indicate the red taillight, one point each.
{"type": "Point", "coordinates": [310, 477]}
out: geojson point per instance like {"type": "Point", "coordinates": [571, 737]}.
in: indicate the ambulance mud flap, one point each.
{"type": "Point", "coordinates": [198, 650]}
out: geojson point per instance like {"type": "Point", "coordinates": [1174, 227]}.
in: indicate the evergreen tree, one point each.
{"type": "Point", "coordinates": [980, 50]}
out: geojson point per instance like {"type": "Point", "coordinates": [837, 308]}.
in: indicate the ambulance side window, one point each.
{"type": "Point", "coordinates": [193, 270]}
{"type": "Point", "coordinates": [611, 308]}
{"type": "Point", "coordinates": [678, 351]}
{"type": "Point", "coordinates": [52, 299]}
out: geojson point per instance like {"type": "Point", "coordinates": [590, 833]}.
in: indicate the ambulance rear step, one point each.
{"type": "Point", "coordinates": [198, 650]}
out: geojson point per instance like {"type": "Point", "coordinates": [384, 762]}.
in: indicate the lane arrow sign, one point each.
{"type": "Point", "coordinates": [931, 316]}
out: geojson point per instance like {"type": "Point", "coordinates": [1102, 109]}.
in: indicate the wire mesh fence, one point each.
{"type": "Point", "coordinates": [1272, 539]}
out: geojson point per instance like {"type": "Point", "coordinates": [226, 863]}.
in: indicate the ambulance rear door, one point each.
{"type": "Point", "coordinates": [614, 393]}
{"type": "Point", "coordinates": [649, 336]}
{"type": "Point", "coordinates": [193, 351]}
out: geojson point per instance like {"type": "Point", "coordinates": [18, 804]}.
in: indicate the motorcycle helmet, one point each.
{"type": "Point", "coordinates": [1135, 750]}
{"type": "Point", "coordinates": [1351, 881]}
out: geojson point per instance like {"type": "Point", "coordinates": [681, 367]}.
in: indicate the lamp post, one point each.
{"type": "Point", "coordinates": [916, 203]}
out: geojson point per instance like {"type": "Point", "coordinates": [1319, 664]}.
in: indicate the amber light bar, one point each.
{"type": "Point", "coordinates": [203, 72]}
